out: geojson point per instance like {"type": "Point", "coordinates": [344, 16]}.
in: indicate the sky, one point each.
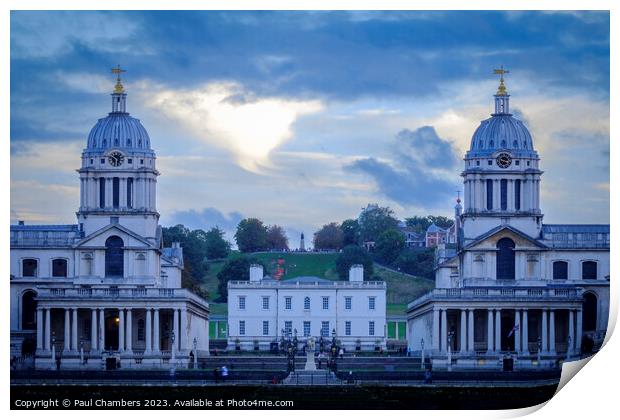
{"type": "Point", "coordinates": [303, 118]}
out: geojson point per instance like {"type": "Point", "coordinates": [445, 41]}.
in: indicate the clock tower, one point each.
{"type": "Point", "coordinates": [501, 176]}
{"type": "Point", "coordinates": [118, 175]}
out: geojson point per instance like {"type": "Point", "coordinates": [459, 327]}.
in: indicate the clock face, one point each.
{"type": "Point", "coordinates": [503, 160]}
{"type": "Point", "coordinates": [116, 158]}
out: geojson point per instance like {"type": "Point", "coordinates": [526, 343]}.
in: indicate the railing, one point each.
{"type": "Point", "coordinates": [236, 284]}
{"type": "Point", "coordinates": [498, 293]}
{"type": "Point", "coordinates": [127, 293]}
{"type": "Point", "coordinates": [57, 292]}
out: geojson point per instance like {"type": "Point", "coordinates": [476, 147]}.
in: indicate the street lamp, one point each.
{"type": "Point", "coordinates": [450, 335]}
{"type": "Point", "coordinates": [422, 347]}
{"type": "Point", "coordinates": [195, 342]}
{"type": "Point", "coordinates": [173, 349]}
{"type": "Point", "coordinates": [82, 352]}
{"type": "Point", "coordinates": [53, 347]}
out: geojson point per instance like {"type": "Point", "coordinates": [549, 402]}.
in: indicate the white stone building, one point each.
{"type": "Point", "coordinates": [262, 310]}
{"type": "Point", "coordinates": [105, 289]}
{"type": "Point", "coordinates": [516, 288]}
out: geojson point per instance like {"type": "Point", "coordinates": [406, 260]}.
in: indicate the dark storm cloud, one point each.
{"type": "Point", "coordinates": [413, 182]}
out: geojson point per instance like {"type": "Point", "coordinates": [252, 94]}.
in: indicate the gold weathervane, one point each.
{"type": "Point", "coordinates": [501, 90]}
{"type": "Point", "coordinates": [118, 88]}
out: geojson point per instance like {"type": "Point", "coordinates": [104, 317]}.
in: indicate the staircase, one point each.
{"type": "Point", "coordinates": [313, 377]}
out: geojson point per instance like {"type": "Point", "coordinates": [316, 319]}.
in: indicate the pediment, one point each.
{"type": "Point", "coordinates": [99, 237]}
{"type": "Point", "coordinates": [490, 239]}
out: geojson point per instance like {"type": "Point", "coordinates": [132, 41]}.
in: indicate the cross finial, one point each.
{"type": "Point", "coordinates": [458, 196]}
{"type": "Point", "coordinates": [118, 88]}
{"type": "Point", "coordinates": [502, 88]}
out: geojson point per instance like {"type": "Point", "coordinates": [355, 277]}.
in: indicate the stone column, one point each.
{"type": "Point", "coordinates": [48, 328]}
{"type": "Point", "coordinates": [490, 331]}
{"type": "Point", "coordinates": [67, 331]}
{"type": "Point", "coordinates": [463, 338]}
{"type": "Point", "coordinates": [498, 330]}
{"type": "Point", "coordinates": [444, 330]}
{"type": "Point", "coordinates": [518, 331]}
{"type": "Point", "coordinates": [121, 329]}
{"type": "Point", "coordinates": [470, 328]}
{"type": "Point", "coordinates": [156, 330]}
{"type": "Point", "coordinates": [545, 343]}
{"type": "Point", "coordinates": [129, 343]}
{"type": "Point", "coordinates": [183, 332]}
{"type": "Point", "coordinates": [175, 328]}
{"type": "Point", "coordinates": [435, 329]}
{"type": "Point", "coordinates": [101, 345]}
{"type": "Point", "coordinates": [578, 333]}
{"type": "Point", "coordinates": [39, 329]}
{"type": "Point", "coordinates": [552, 331]}
{"type": "Point", "coordinates": [149, 332]}
{"type": "Point", "coordinates": [525, 348]}
{"type": "Point", "coordinates": [571, 333]}
{"type": "Point", "coordinates": [74, 331]}
{"type": "Point", "coordinates": [93, 329]}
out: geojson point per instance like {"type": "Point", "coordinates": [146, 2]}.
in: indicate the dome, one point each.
{"type": "Point", "coordinates": [501, 132]}
{"type": "Point", "coordinates": [118, 130]}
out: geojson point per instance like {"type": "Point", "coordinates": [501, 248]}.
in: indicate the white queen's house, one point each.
{"type": "Point", "coordinates": [104, 291]}
{"type": "Point", "coordinates": [516, 289]}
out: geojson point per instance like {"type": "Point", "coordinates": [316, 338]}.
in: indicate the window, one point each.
{"type": "Point", "coordinates": [115, 192]}
{"type": "Point", "coordinates": [29, 310]}
{"type": "Point", "coordinates": [560, 270]}
{"type": "Point", "coordinates": [141, 161]}
{"type": "Point", "coordinates": [265, 327]}
{"type": "Point", "coordinates": [288, 328]}
{"type": "Point", "coordinates": [306, 328]}
{"type": "Point", "coordinates": [103, 160]}
{"type": "Point", "coordinates": [518, 194]}
{"type": "Point", "coordinates": [130, 161]}
{"type": "Point", "coordinates": [528, 163]}
{"type": "Point", "coordinates": [265, 302]}
{"type": "Point", "coordinates": [477, 163]}
{"type": "Point", "coordinates": [241, 327]}
{"type": "Point", "coordinates": [588, 270]}
{"type": "Point", "coordinates": [114, 260]}
{"type": "Point", "coordinates": [141, 330]}
{"type": "Point", "coordinates": [489, 194]}
{"type": "Point", "coordinates": [241, 302]}
{"type": "Point", "coordinates": [29, 267]}
{"type": "Point", "coordinates": [490, 162]}
{"type": "Point", "coordinates": [347, 328]}
{"type": "Point", "coordinates": [590, 311]}
{"type": "Point", "coordinates": [92, 161]}
{"type": "Point", "coordinates": [517, 162]}
{"type": "Point", "coordinates": [288, 302]}
{"type": "Point", "coordinates": [101, 192]}
{"type": "Point", "coordinates": [504, 194]}
{"type": "Point", "coordinates": [505, 268]}
{"type": "Point", "coordinates": [59, 267]}
{"type": "Point", "coordinates": [325, 329]}
{"type": "Point", "coordinates": [307, 303]}
{"type": "Point", "coordinates": [325, 302]}
{"type": "Point", "coordinates": [347, 302]}
{"type": "Point", "coordinates": [129, 192]}
{"type": "Point", "coordinates": [371, 327]}
{"type": "Point", "coordinates": [371, 303]}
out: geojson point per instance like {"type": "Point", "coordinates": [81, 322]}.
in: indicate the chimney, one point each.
{"type": "Point", "coordinates": [256, 273]}
{"type": "Point", "coordinates": [20, 222]}
{"type": "Point", "coordinates": [356, 273]}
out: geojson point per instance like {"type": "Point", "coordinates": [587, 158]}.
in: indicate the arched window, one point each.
{"type": "Point", "coordinates": [489, 194]}
{"type": "Point", "coordinates": [29, 310]}
{"type": "Point", "coordinates": [29, 267]}
{"type": "Point", "coordinates": [59, 267]}
{"type": "Point", "coordinates": [114, 257]}
{"type": "Point", "coordinates": [306, 303]}
{"type": "Point", "coordinates": [588, 270]}
{"type": "Point", "coordinates": [505, 268]}
{"type": "Point", "coordinates": [590, 309]}
{"type": "Point", "coordinates": [560, 270]}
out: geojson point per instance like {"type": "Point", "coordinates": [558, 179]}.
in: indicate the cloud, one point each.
{"type": "Point", "coordinates": [411, 177]}
{"type": "Point", "coordinates": [227, 115]}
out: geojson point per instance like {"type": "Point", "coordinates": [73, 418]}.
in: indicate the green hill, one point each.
{"type": "Point", "coordinates": [401, 288]}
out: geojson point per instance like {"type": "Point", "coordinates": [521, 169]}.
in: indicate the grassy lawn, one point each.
{"type": "Point", "coordinates": [401, 288]}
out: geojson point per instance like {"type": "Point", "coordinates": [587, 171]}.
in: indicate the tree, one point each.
{"type": "Point", "coordinates": [418, 262]}
{"type": "Point", "coordinates": [375, 221]}
{"type": "Point", "coordinates": [330, 236]}
{"type": "Point", "coordinates": [251, 235]}
{"type": "Point", "coordinates": [389, 245]}
{"type": "Point", "coordinates": [235, 269]}
{"type": "Point", "coordinates": [350, 255]}
{"type": "Point", "coordinates": [441, 221]}
{"type": "Point", "coordinates": [350, 232]}
{"type": "Point", "coordinates": [276, 238]}
{"type": "Point", "coordinates": [421, 223]}
{"type": "Point", "coordinates": [215, 244]}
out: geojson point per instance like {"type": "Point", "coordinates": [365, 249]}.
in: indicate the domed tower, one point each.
{"type": "Point", "coordinates": [118, 175]}
{"type": "Point", "coordinates": [501, 176]}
